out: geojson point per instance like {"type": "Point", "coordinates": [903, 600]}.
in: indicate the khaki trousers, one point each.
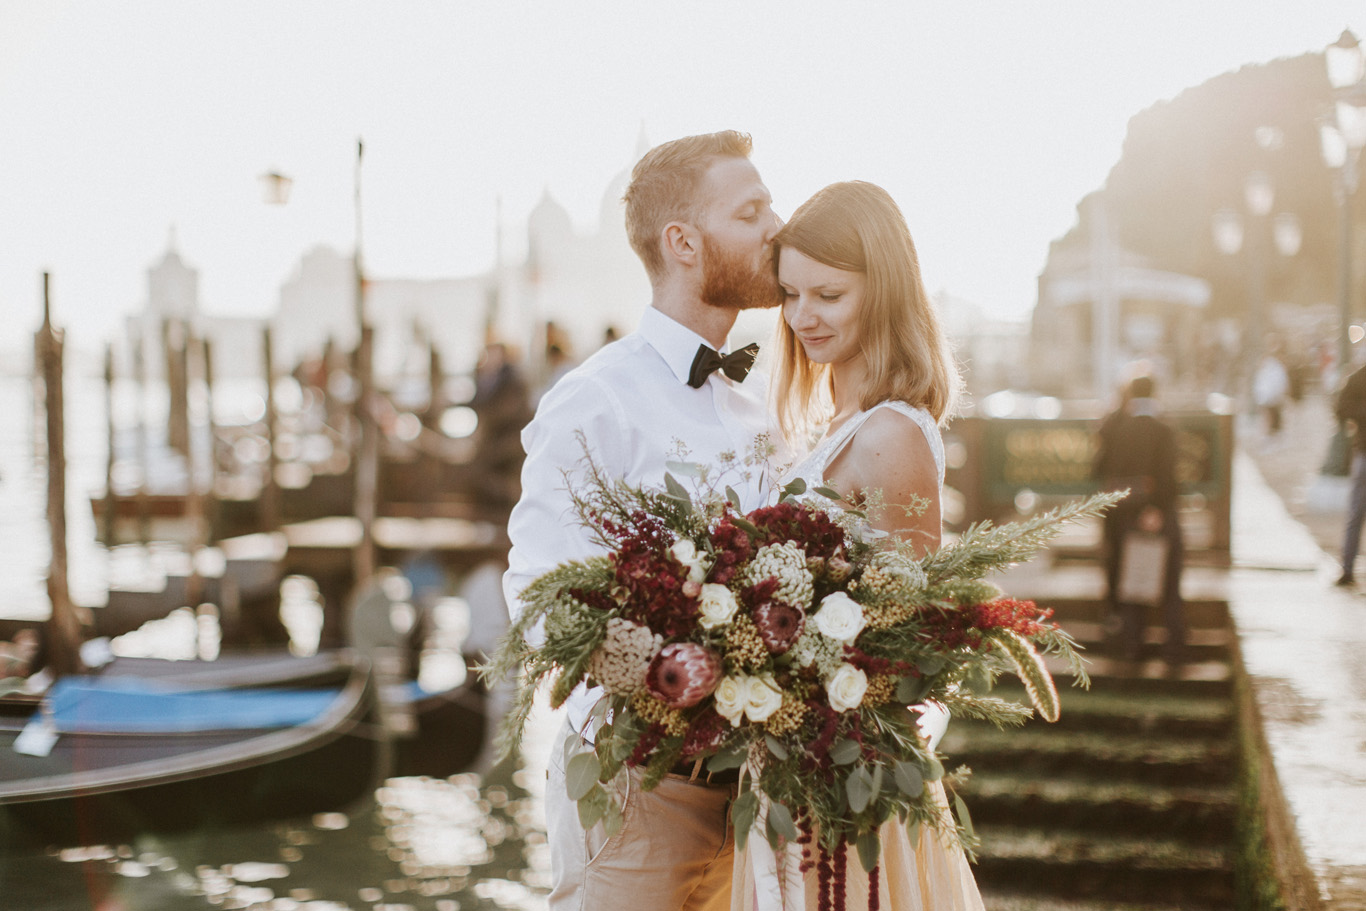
{"type": "Point", "coordinates": [675, 850]}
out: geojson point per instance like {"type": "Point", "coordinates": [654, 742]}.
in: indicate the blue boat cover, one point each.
{"type": "Point", "coordinates": [130, 705]}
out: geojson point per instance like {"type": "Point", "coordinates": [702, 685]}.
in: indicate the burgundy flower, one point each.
{"type": "Point", "coordinates": [705, 733]}
{"type": "Point", "coordinates": [683, 674]}
{"type": "Point", "coordinates": [779, 625]}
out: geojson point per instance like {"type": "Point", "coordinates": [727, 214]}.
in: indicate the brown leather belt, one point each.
{"type": "Point", "coordinates": [696, 773]}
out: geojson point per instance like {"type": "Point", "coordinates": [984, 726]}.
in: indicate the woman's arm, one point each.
{"type": "Point", "coordinates": [890, 455]}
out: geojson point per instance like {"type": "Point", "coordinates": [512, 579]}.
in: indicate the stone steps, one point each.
{"type": "Point", "coordinates": [1143, 759]}
{"type": "Point", "coordinates": [1112, 868]}
{"type": "Point", "coordinates": [1095, 805]}
{"type": "Point", "coordinates": [1007, 902]}
{"type": "Point", "coordinates": [1127, 802]}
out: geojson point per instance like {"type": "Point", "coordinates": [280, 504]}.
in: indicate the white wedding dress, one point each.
{"type": "Point", "coordinates": [933, 874]}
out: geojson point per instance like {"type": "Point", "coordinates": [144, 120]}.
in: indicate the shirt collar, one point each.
{"type": "Point", "coordinates": [675, 342]}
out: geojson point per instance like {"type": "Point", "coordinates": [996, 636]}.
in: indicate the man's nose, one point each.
{"type": "Point", "coordinates": [775, 226]}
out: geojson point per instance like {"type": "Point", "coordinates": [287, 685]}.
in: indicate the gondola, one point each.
{"type": "Point", "coordinates": [149, 746]}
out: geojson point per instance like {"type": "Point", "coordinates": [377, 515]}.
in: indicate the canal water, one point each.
{"type": "Point", "coordinates": [473, 841]}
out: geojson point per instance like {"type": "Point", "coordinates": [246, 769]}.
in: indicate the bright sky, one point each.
{"type": "Point", "coordinates": [987, 121]}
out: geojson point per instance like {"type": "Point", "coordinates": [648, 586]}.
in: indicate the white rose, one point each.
{"type": "Point", "coordinates": [717, 606]}
{"type": "Point", "coordinates": [730, 698]}
{"type": "Point", "coordinates": [845, 690]}
{"type": "Point", "coordinates": [685, 552]}
{"type": "Point", "coordinates": [840, 617]}
{"type": "Point", "coordinates": [762, 698]}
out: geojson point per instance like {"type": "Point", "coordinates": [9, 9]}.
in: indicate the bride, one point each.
{"type": "Point", "coordinates": [859, 337]}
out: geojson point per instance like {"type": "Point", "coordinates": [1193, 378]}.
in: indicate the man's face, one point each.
{"type": "Point", "coordinates": [737, 224]}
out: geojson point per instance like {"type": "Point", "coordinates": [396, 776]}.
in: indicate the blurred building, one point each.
{"type": "Point", "coordinates": [172, 313]}
{"type": "Point", "coordinates": [1102, 308]}
{"type": "Point", "coordinates": [992, 353]}
{"type": "Point", "coordinates": [583, 280]}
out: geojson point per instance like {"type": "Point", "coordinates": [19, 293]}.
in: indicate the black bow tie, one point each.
{"type": "Point", "coordinates": [734, 365]}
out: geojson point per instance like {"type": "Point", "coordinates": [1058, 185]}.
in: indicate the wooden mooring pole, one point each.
{"type": "Point", "coordinates": [63, 627]}
{"type": "Point", "coordinates": [109, 518]}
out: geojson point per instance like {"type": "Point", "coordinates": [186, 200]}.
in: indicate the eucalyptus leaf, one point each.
{"type": "Point", "coordinates": [877, 780]}
{"type": "Point", "coordinates": [795, 488]}
{"type": "Point", "coordinates": [687, 469]}
{"type": "Point", "coordinates": [828, 492]}
{"type": "Point", "coordinates": [745, 525]}
{"type": "Point", "coordinates": [571, 745]}
{"type": "Point", "coordinates": [964, 818]}
{"type": "Point", "coordinates": [934, 769]}
{"type": "Point", "coordinates": [913, 833]}
{"type": "Point", "coordinates": [732, 496]}
{"type": "Point", "coordinates": [592, 807]}
{"type": "Point", "coordinates": [728, 759]}
{"type": "Point", "coordinates": [780, 818]}
{"type": "Point", "coordinates": [978, 679]}
{"type": "Point", "coordinates": [908, 778]}
{"type": "Point", "coordinates": [930, 665]}
{"type": "Point", "coordinates": [676, 490]}
{"type": "Point", "coordinates": [859, 786]}
{"type": "Point", "coordinates": [742, 814]}
{"type": "Point", "coordinates": [910, 690]}
{"type": "Point", "coordinates": [844, 752]}
{"type": "Point", "coordinates": [613, 820]}
{"type": "Point", "coordinates": [581, 775]}
{"type": "Point", "coordinates": [775, 746]}
{"type": "Point", "coordinates": [869, 849]}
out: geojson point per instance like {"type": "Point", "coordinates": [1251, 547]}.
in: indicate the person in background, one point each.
{"type": "Point", "coordinates": [1349, 406]}
{"type": "Point", "coordinates": [1137, 451]}
{"type": "Point", "coordinates": [1270, 384]}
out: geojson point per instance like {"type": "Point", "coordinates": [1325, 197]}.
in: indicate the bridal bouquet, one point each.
{"type": "Point", "coordinates": [780, 642]}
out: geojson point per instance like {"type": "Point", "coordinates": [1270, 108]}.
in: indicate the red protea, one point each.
{"type": "Point", "coordinates": [683, 674]}
{"type": "Point", "coordinates": [779, 625]}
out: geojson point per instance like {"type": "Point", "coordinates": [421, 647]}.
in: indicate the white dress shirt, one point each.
{"type": "Point", "coordinates": [632, 402]}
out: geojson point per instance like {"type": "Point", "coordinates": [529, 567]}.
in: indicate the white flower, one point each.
{"type": "Point", "coordinates": [762, 698]}
{"type": "Point", "coordinates": [845, 690]}
{"type": "Point", "coordinates": [717, 605]}
{"type": "Point", "coordinates": [685, 552]}
{"type": "Point", "coordinates": [785, 563]}
{"type": "Point", "coordinates": [730, 698]}
{"type": "Point", "coordinates": [840, 617]}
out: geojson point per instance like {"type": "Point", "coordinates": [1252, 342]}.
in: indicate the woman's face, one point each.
{"type": "Point", "coordinates": [820, 305]}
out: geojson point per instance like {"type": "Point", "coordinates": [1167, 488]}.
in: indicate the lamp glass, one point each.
{"type": "Point", "coordinates": [1286, 231]}
{"type": "Point", "coordinates": [1259, 193]}
{"type": "Point", "coordinates": [1344, 62]}
{"type": "Point", "coordinates": [275, 188]}
{"type": "Point", "coordinates": [1352, 124]}
{"type": "Point", "coordinates": [1333, 145]}
{"type": "Point", "coordinates": [1228, 231]}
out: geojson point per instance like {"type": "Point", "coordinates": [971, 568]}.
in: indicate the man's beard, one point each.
{"type": "Point", "coordinates": [731, 283]}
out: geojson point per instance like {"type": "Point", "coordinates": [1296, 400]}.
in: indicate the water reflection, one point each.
{"type": "Point", "coordinates": [471, 841]}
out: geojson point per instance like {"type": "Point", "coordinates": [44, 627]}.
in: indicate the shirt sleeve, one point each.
{"type": "Point", "coordinates": [543, 527]}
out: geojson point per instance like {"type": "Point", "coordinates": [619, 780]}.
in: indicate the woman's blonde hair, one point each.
{"type": "Point", "coordinates": [857, 227]}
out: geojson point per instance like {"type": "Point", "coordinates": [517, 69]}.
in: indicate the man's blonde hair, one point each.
{"type": "Point", "coordinates": [857, 227]}
{"type": "Point", "coordinates": [664, 188]}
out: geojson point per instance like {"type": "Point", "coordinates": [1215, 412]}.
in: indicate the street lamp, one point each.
{"type": "Point", "coordinates": [1233, 231]}
{"type": "Point", "coordinates": [275, 188]}
{"type": "Point", "coordinates": [1341, 138]}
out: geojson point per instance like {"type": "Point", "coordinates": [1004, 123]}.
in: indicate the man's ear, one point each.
{"type": "Point", "coordinates": [682, 243]}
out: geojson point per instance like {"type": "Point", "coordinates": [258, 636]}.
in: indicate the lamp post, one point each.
{"type": "Point", "coordinates": [1341, 137]}
{"type": "Point", "coordinates": [1235, 231]}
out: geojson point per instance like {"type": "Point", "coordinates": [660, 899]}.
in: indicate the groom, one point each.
{"type": "Point", "coordinates": [701, 220]}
